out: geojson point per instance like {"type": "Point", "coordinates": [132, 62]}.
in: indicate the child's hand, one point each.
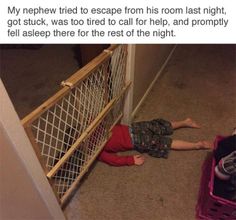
{"type": "Point", "coordinates": [138, 159]}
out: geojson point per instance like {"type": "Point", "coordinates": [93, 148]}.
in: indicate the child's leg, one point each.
{"type": "Point", "coordinates": [185, 145]}
{"type": "Point", "coordinates": [187, 123]}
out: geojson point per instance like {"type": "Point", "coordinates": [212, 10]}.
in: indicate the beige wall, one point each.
{"type": "Point", "coordinates": [148, 61]}
{"type": "Point", "coordinates": [19, 198]}
{"type": "Point", "coordinates": [24, 190]}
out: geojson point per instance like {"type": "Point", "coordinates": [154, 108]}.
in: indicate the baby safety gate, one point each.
{"type": "Point", "coordinates": [69, 130]}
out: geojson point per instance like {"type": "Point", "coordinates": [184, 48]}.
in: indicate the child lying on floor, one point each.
{"type": "Point", "coordinates": [147, 137]}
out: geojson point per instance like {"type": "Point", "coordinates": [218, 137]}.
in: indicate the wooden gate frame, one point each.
{"type": "Point", "coordinates": [105, 58]}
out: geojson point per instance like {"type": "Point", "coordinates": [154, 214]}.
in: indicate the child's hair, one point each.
{"type": "Point", "coordinates": [71, 136]}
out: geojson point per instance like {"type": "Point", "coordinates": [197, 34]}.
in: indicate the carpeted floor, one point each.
{"type": "Point", "coordinates": [198, 82]}
{"type": "Point", "coordinates": [31, 76]}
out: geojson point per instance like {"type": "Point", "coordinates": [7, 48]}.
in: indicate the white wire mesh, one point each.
{"type": "Point", "coordinates": [74, 112]}
{"type": "Point", "coordinates": [57, 129]}
{"type": "Point", "coordinates": [115, 112]}
{"type": "Point", "coordinates": [116, 71]}
{"type": "Point", "coordinates": [77, 163]}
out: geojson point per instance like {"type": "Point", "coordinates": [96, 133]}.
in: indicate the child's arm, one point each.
{"type": "Point", "coordinates": [116, 160]}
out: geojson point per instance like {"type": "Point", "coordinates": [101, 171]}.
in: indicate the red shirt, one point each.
{"type": "Point", "coordinates": [119, 141]}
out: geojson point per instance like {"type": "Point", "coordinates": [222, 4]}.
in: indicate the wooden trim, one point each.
{"type": "Point", "coordinates": [26, 121]}
{"type": "Point", "coordinates": [125, 89]}
{"type": "Point", "coordinates": [112, 47]}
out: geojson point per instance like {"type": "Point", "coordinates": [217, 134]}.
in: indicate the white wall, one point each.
{"type": "Point", "coordinates": [24, 190]}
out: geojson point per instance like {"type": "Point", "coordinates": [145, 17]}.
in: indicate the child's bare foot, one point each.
{"type": "Point", "coordinates": [205, 145]}
{"type": "Point", "coordinates": [190, 123]}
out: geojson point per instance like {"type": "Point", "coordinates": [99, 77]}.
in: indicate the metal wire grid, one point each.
{"type": "Point", "coordinates": [57, 129]}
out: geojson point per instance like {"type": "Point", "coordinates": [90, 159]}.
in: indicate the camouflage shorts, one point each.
{"type": "Point", "coordinates": [149, 137]}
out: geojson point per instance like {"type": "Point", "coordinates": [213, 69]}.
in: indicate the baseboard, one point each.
{"type": "Point", "coordinates": [152, 84]}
